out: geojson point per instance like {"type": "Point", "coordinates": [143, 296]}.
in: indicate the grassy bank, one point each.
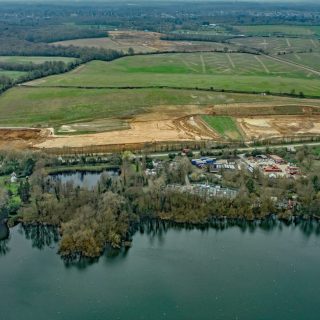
{"type": "Point", "coordinates": [225, 126]}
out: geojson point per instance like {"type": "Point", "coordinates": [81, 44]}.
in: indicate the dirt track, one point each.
{"type": "Point", "coordinates": [278, 126]}
{"type": "Point", "coordinates": [188, 128]}
{"type": "Point", "coordinates": [184, 129]}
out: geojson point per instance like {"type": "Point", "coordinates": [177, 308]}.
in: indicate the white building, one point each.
{"type": "Point", "coordinates": [13, 178]}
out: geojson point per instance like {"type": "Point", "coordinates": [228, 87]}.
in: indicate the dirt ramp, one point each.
{"type": "Point", "coordinates": [279, 126]}
{"type": "Point", "coordinates": [22, 137]}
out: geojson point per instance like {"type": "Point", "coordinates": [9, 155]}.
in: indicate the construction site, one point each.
{"type": "Point", "coordinates": [170, 124]}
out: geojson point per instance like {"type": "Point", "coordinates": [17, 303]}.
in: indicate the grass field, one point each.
{"type": "Point", "coordinates": [225, 126]}
{"type": "Point", "coordinates": [60, 102]}
{"type": "Point", "coordinates": [273, 45]}
{"type": "Point", "coordinates": [12, 74]}
{"type": "Point", "coordinates": [290, 30]}
{"type": "Point", "coordinates": [310, 59]}
{"type": "Point", "coordinates": [36, 60]}
{"type": "Point", "coordinates": [237, 71]}
{"type": "Point", "coordinates": [54, 107]}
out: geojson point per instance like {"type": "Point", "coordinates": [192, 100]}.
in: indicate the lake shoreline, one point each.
{"type": "Point", "coordinates": [215, 222]}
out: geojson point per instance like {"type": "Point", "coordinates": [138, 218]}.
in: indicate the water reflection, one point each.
{"type": "Point", "coordinates": [4, 239]}
{"type": "Point", "coordinates": [41, 236]}
{"type": "Point", "coordinates": [4, 248]}
{"type": "Point", "coordinates": [44, 236]}
{"type": "Point", "coordinates": [83, 179]}
{"type": "Point", "coordinates": [110, 256]}
{"type": "Point", "coordinates": [4, 231]}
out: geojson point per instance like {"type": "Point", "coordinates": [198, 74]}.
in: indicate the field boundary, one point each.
{"type": "Point", "coordinates": [211, 89]}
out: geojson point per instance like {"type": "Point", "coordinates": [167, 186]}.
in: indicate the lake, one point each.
{"type": "Point", "coordinates": [227, 272]}
{"type": "Point", "coordinates": [84, 179]}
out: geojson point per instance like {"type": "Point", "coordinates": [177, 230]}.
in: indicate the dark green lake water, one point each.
{"type": "Point", "coordinates": [235, 273]}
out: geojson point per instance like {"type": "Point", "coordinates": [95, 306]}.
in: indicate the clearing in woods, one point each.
{"type": "Point", "coordinates": [142, 42]}
{"type": "Point", "coordinates": [225, 126]}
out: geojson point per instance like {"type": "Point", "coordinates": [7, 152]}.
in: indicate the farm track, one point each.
{"type": "Point", "coordinates": [294, 64]}
{"type": "Point", "coordinates": [231, 61]}
{"type": "Point", "coordinates": [203, 64]}
{"type": "Point", "coordinates": [313, 43]}
{"type": "Point", "coordinates": [262, 64]}
{"type": "Point", "coordinates": [288, 42]}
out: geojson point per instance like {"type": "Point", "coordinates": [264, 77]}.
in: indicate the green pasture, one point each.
{"type": "Point", "coordinates": [290, 30]}
{"type": "Point", "coordinates": [275, 45]}
{"type": "Point", "coordinates": [310, 59]}
{"type": "Point", "coordinates": [12, 74]}
{"type": "Point", "coordinates": [220, 71]}
{"type": "Point", "coordinates": [35, 60]}
{"type": "Point", "coordinates": [225, 126]}
{"type": "Point", "coordinates": [54, 107]}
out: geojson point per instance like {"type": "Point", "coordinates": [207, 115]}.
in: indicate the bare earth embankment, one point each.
{"type": "Point", "coordinates": [21, 138]}
{"type": "Point", "coordinates": [142, 129]}
{"type": "Point", "coordinates": [279, 126]}
{"type": "Point", "coordinates": [187, 125]}
{"type": "Point", "coordinates": [172, 123]}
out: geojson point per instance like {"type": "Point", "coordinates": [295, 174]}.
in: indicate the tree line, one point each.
{"type": "Point", "coordinates": [14, 47]}
{"type": "Point", "coordinates": [196, 37]}
{"type": "Point", "coordinates": [35, 71]}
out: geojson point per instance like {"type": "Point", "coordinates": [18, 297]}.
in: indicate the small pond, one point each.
{"type": "Point", "coordinates": [84, 179]}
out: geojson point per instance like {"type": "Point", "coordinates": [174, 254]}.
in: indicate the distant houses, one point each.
{"type": "Point", "coordinates": [271, 165]}
{"type": "Point", "coordinates": [205, 190]}
{"type": "Point", "coordinates": [203, 161]}
{"type": "Point", "coordinates": [276, 159]}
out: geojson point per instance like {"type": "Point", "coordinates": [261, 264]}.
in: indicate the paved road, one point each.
{"type": "Point", "coordinates": [295, 145]}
